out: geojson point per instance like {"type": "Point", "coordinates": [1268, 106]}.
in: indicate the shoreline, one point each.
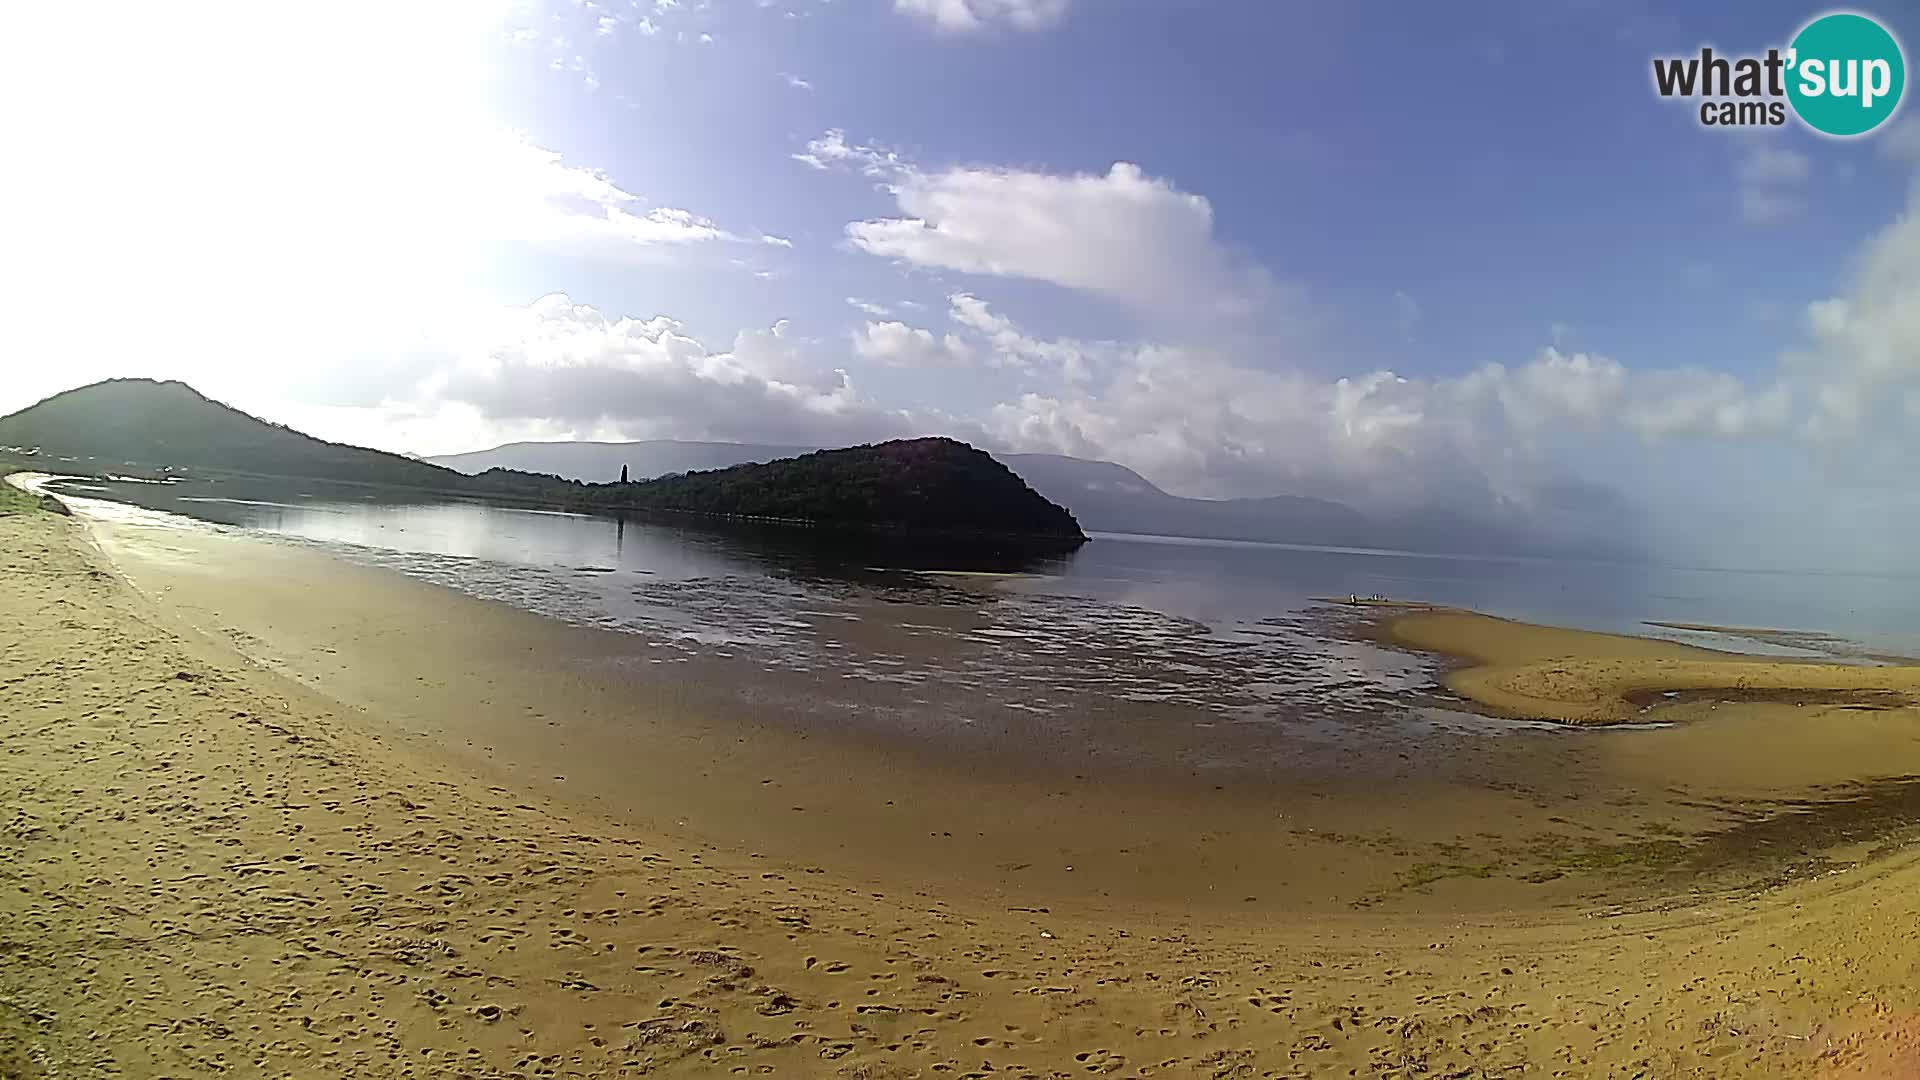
{"type": "Point", "coordinates": [738, 759]}
{"type": "Point", "coordinates": [255, 873]}
{"type": "Point", "coordinates": [1485, 820]}
{"type": "Point", "coordinates": [721, 752]}
{"type": "Point", "coordinates": [1588, 678]}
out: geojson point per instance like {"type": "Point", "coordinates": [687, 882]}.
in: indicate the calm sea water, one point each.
{"type": "Point", "coordinates": [723, 584]}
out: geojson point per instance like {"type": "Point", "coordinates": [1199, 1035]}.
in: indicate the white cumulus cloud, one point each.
{"type": "Point", "coordinates": [569, 365]}
{"type": "Point", "coordinates": [1121, 233]}
{"type": "Point", "coordinates": [901, 345]}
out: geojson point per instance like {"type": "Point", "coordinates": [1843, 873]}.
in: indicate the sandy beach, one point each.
{"type": "Point", "coordinates": [1579, 677]}
{"type": "Point", "coordinates": [267, 814]}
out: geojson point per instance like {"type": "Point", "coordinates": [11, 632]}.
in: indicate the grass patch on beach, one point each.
{"type": "Point", "coordinates": [14, 501]}
{"type": "Point", "coordinates": [1566, 853]}
{"type": "Point", "coordinates": [1425, 874]}
{"type": "Point", "coordinates": [1420, 877]}
{"type": "Point", "coordinates": [1544, 858]}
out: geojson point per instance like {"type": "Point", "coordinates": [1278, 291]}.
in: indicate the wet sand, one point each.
{"type": "Point", "coordinates": [1582, 677]}
{"type": "Point", "coordinates": [1141, 806]}
{"type": "Point", "coordinates": [714, 753]}
{"type": "Point", "coordinates": [277, 815]}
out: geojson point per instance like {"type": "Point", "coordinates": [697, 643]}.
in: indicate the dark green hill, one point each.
{"type": "Point", "coordinates": [926, 487]}
{"type": "Point", "coordinates": [932, 485]}
{"type": "Point", "coordinates": [143, 422]}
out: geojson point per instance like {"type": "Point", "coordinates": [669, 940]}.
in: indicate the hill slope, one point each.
{"type": "Point", "coordinates": [917, 486]}
{"type": "Point", "coordinates": [598, 462]}
{"type": "Point", "coordinates": [170, 423]}
{"type": "Point", "coordinates": [933, 486]}
{"type": "Point", "coordinates": [1102, 495]}
{"type": "Point", "coordinates": [1113, 498]}
{"type": "Point", "coordinates": [1107, 497]}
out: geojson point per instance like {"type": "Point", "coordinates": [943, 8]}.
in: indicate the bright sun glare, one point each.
{"type": "Point", "coordinates": [239, 173]}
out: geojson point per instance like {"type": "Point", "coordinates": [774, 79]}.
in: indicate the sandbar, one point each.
{"type": "Point", "coordinates": [1585, 677]}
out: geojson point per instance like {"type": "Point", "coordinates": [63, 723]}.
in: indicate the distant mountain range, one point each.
{"type": "Point", "coordinates": [601, 462]}
{"type": "Point", "coordinates": [1113, 498]}
{"type": "Point", "coordinates": [139, 420]}
{"type": "Point", "coordinates": [1103, 496]}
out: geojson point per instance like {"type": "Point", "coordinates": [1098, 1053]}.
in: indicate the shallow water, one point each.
{"type": "Point", "coordinates": [1192, 680]}
{"type": "Point", "coordinates": [1221, 639]}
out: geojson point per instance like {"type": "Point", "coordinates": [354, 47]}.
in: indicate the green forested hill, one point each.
{"type": "Point", "coordinates": [931, 484]}
{"type": "Point", "coordinates": [934, 486]}
{"type": "Point", "coordinates": [141, 421]}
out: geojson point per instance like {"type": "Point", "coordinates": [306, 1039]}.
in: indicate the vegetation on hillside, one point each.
{"type": "Point", "coordinates": [927, 486]}
{"type": "Point", "coordinates": [169, 423]}
{"type": "Point", "coordinates": [917, 486]}
{"type": "Point", "coordinates": [934, 485]}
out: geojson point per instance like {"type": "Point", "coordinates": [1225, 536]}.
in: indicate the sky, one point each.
{"type": "Point", "coordinates": [1387, 253]}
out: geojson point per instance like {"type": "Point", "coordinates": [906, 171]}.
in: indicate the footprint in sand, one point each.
{"type": "Point", "coordinates": [1101, 1061]}
{"type": "Point", "coordinates": [1273, 1003]}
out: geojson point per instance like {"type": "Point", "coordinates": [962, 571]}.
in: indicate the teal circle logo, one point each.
{"type": "Point", "coordinates": [1845, 74]}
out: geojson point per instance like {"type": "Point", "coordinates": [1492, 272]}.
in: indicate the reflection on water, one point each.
{"type": "Point", "coordinates": [673, 546]}
{"type": "Point", "coordinates": [1218, 635]}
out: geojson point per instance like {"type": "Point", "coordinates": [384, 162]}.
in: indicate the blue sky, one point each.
{"type": "Point", "coordinates": [1370, 250]}
{"type": "Point", "coordinates": [1491, 164]}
